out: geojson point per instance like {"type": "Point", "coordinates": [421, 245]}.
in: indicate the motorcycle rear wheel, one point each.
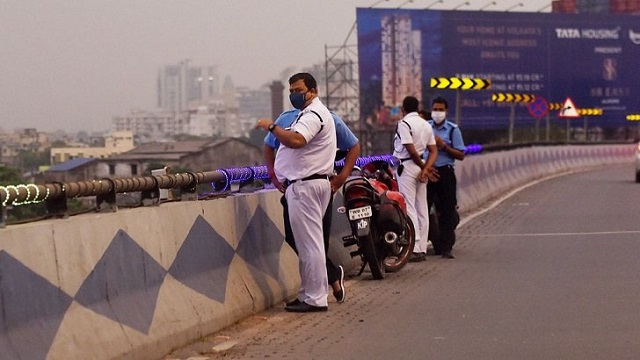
{"type": "Point", "coordinates": [396, 262]}
{"type": "Point", "coordinates": [371, 254]}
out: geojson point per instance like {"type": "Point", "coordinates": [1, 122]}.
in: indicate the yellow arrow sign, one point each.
{"type": "Point", "coordinates": [460, 83]}
{"type": "Point", "coordinates": [510, 97]}
{"type": "Point", "coordinates": [481, 84]}
{"type": "Point", "coordinates": [455, 83]}
{"type": "Point", "coordinates": [555, 106]}
{"type": "Point", "coordinates": [467, 83]}
{"type": "Point", "coordinates": [590, 112]}
{"type": "Point", "coordinates": [633, 117]}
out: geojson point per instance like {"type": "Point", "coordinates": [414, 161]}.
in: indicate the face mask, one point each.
{"type": "Point", "coordinates": [298, 100]}
{"type": "Point", "coordinates": [438, 116]}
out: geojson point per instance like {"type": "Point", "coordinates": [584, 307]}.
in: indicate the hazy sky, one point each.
{"type": "Point", "coordinates": [73, 64]}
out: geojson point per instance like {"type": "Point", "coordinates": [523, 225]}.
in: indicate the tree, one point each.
{"type": "Point", "coordinates": [32, 160]}
{"type": "Point", "coordinates": [9, 176]}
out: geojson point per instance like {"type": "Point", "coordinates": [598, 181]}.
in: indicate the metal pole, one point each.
{"type": "Point", "coordinates": [326, 75]}
{"type": "Point", "coordinates": [512, 122]}
{"type": "Point", "coordinates": [568, 128]}
{"type": "Point", "coordinates": [586, 128]}
{"type": "Point", "coordinates": [458, 106]}
{"type": "Point", "coordinates": [548, 134]}
{"type": "Point", "coordinates": [537, 129]}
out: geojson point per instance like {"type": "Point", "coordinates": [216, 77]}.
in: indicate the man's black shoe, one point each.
{"type": "Point", "coordinates": [293, 302]}
{"type": "Point", "coordinates": [303, 307]}
{"type": "Point", "coordinates": [432, 251]}
{"type": "Point", "coordinates": [417, 257]}
{"type": "Point", "coordinates": [341, 294]}
{"type": "Point", "coordinates": [448, 255]}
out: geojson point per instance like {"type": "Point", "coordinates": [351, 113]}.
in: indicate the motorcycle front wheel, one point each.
{"type": "Point", "coordinates": [396, 262]}
{"type": "Point", "coordinates": [372, 255]}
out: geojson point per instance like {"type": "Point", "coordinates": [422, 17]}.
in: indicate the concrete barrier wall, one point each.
{"type": "Point", "coordinates": [485, 177]}
{"type": "Point", "coordinates": [136, 283]}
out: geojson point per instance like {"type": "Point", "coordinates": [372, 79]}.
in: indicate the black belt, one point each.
{"type": "Point", "coordinates": [405, 159]}
{"type": "Point", "coordinates": [288, 182]}
{"type": "Point", "coordinates": [448, 166]}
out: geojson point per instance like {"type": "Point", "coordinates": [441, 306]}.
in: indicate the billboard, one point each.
{"type": "Point", "coordinates": [592, 59]}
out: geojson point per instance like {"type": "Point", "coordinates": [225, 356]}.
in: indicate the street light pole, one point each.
{"type": "Point", "coordinates": [544, 7]}
{"type": "Point", "coordinates": [512, 121]}
{"type": "Point", "coordinates": [466, 3]}
{"type": "Point", "coordinates": [376, 3]}
{"type": "Point", "coordinates": [514, 6]}
{"type": "Point", "coordinates": [487, 5]}
{"type": "Point", "coordinates": [404, 3]}
{"type": "Point", "coordinates": [433, 3]}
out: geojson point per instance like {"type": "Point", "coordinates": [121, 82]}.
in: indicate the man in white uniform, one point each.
{"type": "Point", "coordinates": [413, 136]}
{"type": "Point", "coordinates": [303, 164]}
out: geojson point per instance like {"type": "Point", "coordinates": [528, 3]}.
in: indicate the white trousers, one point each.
{"type": "Point", "coordinates": [415, 193]}
{"type": "Point", "coordinates": [307, 201]}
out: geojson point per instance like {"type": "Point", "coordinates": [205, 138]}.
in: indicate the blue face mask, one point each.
{"type": "Point", "coordinates": [298, 100]}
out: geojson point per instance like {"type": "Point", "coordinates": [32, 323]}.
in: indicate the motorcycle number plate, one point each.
{"type": "Point", "coordinates": [359, 213]}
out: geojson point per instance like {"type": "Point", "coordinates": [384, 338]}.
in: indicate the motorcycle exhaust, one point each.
{"type": "Point", "coordinates": [390, 237]}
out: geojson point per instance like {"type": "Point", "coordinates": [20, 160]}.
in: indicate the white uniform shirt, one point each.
{"type": "Point", "coordinates": [318, 155]}
{"type": "Point", "coordinates": [412, 129]}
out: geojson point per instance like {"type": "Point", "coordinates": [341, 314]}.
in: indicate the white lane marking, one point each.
{"type": "Point", "coordinates": [497, 202]}
{"type": "Point", "coordinates": [624, 232]}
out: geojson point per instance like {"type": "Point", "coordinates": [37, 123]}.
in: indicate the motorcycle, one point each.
{"type": "Point", "coordinates": [377, 214]}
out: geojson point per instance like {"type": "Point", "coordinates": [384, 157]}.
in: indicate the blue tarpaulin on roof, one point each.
{"type": "Point", "coordinates": [71, 164]}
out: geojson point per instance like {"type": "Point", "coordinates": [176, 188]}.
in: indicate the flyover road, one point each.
{"type": "Point", "coordinates": [551, 271]}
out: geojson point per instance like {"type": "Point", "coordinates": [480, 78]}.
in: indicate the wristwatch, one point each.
{"type": "Point", "coordinates": [271, 127]}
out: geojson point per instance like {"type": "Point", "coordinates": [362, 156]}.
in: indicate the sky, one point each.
{"type": "Point", "coordinates": [74, 64]}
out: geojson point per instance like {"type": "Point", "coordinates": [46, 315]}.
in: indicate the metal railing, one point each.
{"type": "Point", "coordinates": [56, 194]}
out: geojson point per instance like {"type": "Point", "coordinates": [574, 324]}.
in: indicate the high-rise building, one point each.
{"type": "Point", "coordinates": [150, 125]}
{"type": "Point", "coordinates": [401, 60]}
{"type": "Point", "coordinates": [183, 86]}
{"type": "Point", "coordinates": [254, 103]}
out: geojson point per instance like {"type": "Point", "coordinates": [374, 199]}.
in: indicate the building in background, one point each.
{"type": "Point", "coordinates": [149, 125]}
{"type": "Point", "coordinates": [254, 103]}
{"type": "Point", "coordinates": [194, 155]}
{"type": "Point", "coordinates": [596, 6]}
{"type": "Point", "coordinates": [77, 169]}
{"type": "Point", "coordinates": [191, 102]}
{"type": "Point", "coordinates": [29, 140]}
{"type": "Point", "coordinates": [114, 143]}
{"type": "Point", "coordinates": [184, 85]}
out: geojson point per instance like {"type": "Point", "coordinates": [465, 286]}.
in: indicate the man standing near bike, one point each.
{"type": "Point", "coordinates": [413, 137]}
{"type": "Point", "coordinates": [346, 141]}
{"type": "Point", "coordinates": [442, 193]}
{"type": "Point", "coordinates": [304, 163]}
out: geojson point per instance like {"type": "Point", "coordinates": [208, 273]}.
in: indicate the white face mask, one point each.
{"type": "Point", "coordinates": [438, 116]}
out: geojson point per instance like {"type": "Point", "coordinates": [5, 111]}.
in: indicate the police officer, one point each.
{"type": "Point", "coordinates": [413, 136]}
{"type": "Point", "coordinates": [346, 141]}
{"type": "Point", "coordinates": [442, 193]}
{"type": "Point", "coordinates": [304, 163]}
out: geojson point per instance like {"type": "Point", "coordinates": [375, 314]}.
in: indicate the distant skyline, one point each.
{"type": "Point", "coordinates": [73, 65]}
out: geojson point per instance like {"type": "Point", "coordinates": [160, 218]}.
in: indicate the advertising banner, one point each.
{"type": "Point", "coordinates": [593, 59]}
